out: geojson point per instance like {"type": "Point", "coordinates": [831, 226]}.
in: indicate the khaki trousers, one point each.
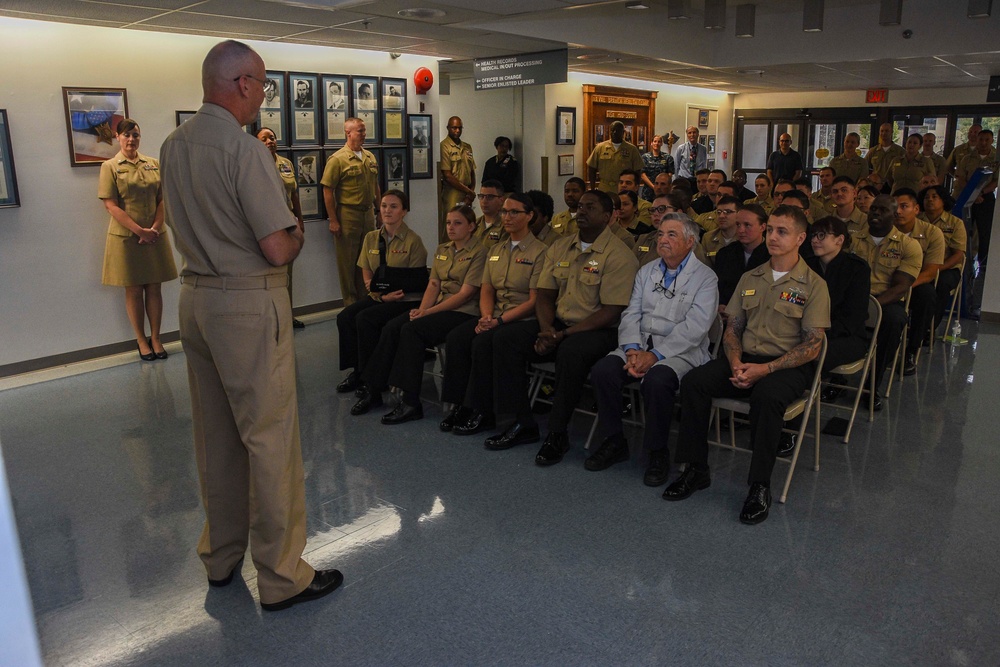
{"type": "Point", "coordinates": [354, 224]}
{"type": "Point", "coordinates": [241, 370]}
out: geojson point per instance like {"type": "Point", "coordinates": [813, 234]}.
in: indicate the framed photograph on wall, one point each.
{"type": "Point", "coordinates": [393, 111]}
{"type": "Point", "coordinates": [272, 110]}
{"type": "Point", "coordinates": [92, 116]}
{"type": "Point", "coordinates": [421, 146]}
{"type": "Point", "coordinates": [336, 88]}
{"type": "Point", "coordinates": [308, 170]}
{"type": "Point", "coordinates": [565, 126]}
{"type": "Point", "coordinates": [181, 116]}
{"type": "Point", "coordinates": [567, 165]}
{"type": "Point", "coordinates": [394, 169]}
{"type": "Point", "coordinates": [598, 134]}
{"type": "Point", "coordinates": [304, 97]}
{"type": "Point", "coordinates": [9, 197]}
{"type": "Point", "coordinates": [364, 105]}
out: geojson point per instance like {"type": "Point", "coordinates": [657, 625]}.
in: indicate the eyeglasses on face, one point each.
{"type": "Point", "coordinates": [662, 209]}
{"type": "Point", "coordinates": [486, 197]}
{"type": "Point", "coordinates": [511, 211]}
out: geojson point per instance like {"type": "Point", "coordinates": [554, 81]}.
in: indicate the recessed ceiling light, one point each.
{"type": "Point", "coordinates": [421, 13]}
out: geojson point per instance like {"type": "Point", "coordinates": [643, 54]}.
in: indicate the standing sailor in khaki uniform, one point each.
{"type": "Point", "coordinates": [609, 158]}
{"type": "Point", "coordinates": [959, 152]}
{"type": "Point", "coordinates": [908, 170]}
{"type": "Point", "coordinates": [849, 163]}
{"type": "Point", "coordinates": [882, 156]}
{"type": "Point", "coordinates": [930, 139]}
{"type": "Point", "coordinates": [225, 204]}
{"type": "Point", "coordinates": [458, 174]}
{"type": "Point", "coordinates": [351, 193]}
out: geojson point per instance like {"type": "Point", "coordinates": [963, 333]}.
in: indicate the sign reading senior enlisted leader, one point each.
{"type": "Point", "coordinates": [525, 69]}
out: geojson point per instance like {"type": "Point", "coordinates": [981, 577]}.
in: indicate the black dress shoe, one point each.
{"type": "Point", "coordinates": [830, 394]}
{"type": "Point", "coordinates": [475, 422]}
{"type": "Point", "coordinates": [910, 367]}
{"type": "Point", "coordinates": [456, 416]}
{"type": "Point", "coordinates": [228, 579]}
{"type": "Point", "coordinates": [786, 445]}
{"type": "Point", "coordinates": [691, 480]}
{"type": "Point", "coordinates": [757, 505]}
{"type": "Point", "coordinates": [516, 434]}
{"type": "Point", "coordinates": [145, 357]}
{"type": "Point", "coordinates": [298, 324]}
{"type": "Point", "coordinates": [403, 413]}
{"type": "Point", "coordinates": [323, 583]}
{"type": "Point", "coordinates": [613, 450]}
{"type": "Point", "coordinates": [159, 355]}
{"type": "Point", "coordinates": [658, 468]}
{"type": "Point", "coordinates": [371, 399]}
{"type": "Point", "coordinates": [553, 449]}
{"type": "Point", "coordinates": [878, 402]}
{"type": "Point", "coordinates": [350, 383]}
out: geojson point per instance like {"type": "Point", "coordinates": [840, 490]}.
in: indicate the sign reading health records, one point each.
{"type": "Point", "coordinates": [525, 69]}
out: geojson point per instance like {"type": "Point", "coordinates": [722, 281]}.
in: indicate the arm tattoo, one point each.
{"type": "Point", "coordinates": [732, 339]}
{"type": "Point", "coordinates": [803, 353]}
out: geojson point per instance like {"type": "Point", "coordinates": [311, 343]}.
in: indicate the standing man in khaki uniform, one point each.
{"type": "Point", "coordinates": [225, 203]}
{"type": "Point", "coordinates": [777, 319]}
{"type": "Point", "coordinates": [907, 171]}
{"type": "Point", "coordinates": [824, 196]}
{"type": "Point", "coordinates": [850, 163]}
{"type": "Point", "coordinates": [609, 158]}
{"type": "Point", "coordinates": [930, 140]}
{"type": "Point", "coordinates": [458, 174]}
{"type": "Point", "coordinates": [351, 193]}
{"type": "Point", "coordinates": [959, 152]}
{"type": "Point", "coordinates": [882, 156]}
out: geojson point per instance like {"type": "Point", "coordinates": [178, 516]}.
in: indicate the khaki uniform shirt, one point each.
{"type": "Point", "coordinates": [353, 179]}
{"type": "Point", "coordinates": [623, 235]}
{"type": "Point", "coordinates": [955, 236]}
{"type": "Point", "coordinates": [958, 154]}
{"type": "Point", "coordinates": [857, 221]}
{"type": "Point", "coordinates": [135, 186]}
{"type": "Point", "coordinates": [486, 234]}
{"type": "Point", "coordinates": [706, 221]}
{"type": "Point", "coordinates": [767, 204]}
{"type": "Point", "coordinates": [287, 175]}
{"type": "Point", "coordinates": [644, 215]}
{"type": "Point", "coordinates": [712, 242]}
{"type": "Point", "coordinates": [457, 158]}
{"type": "Point", "coordinates": [880, 161]}
{"type": "Point", "coordinates": [513, 272]}
{"type": "Point", "coordinates": [907, 173]}
{"type": "Point", "coordinates": [454, 268]}
{"type": "Point", "coordinates": [601, 275]}
{"type": "Point", "coordinates": [854, 166]}
{"type": "Point", "coordinates": [931, 240]}
{"type": "Point", "coordinates": [547, 235]}
{"type": "Point", "coordinates": [777, 313]}
{"type": "Point", "coordinates": [405, 250]}
{"type": "Point", "coordinates": [897, 252]}
{"type": "Point", "coordinates": [937, 160]}
{"type": "Point", "coordinates": [222, 195]}
{"type": "Point", "coordinates": [610, 163]}
{"type": "Point", "coordinates": [816, 210]}
{"type": "Point", "coordinates": [967, 167]}
{"type": "Point", "coordinates": [823, 201]}
{"type": "Point", "coordinates": [564, 223]}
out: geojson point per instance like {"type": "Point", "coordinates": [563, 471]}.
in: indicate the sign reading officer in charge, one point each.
{"type": "Point", "coordinates": [526, 69]}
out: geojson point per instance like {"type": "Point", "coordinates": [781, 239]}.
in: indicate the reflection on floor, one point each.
{"type": "Point", "coordinates": [456, 555]}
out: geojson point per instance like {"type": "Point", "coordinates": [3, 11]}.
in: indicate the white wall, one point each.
{"type": "Point", "coordinates": [51, 248]}
{"type": "Point", "coordinates": [856, 98]}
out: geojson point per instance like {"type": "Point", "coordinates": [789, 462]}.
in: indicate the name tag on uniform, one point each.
{"type": "Point", "coordinates": [495, 258]}
{"type": "Point", "coordinates": [748, 292]}
{"type": "Point", "coordinates": [562, 265]}
{"type": "Point", "coordinates": [644, 248]}
{"type": "Point", "coordinates": [443, 258]}
{"type": "Point", "coordinates": [373, 252]}
{"type": "Point", "coordinates": [522, 260]}
{"type": "Point", "coordinates": [793, 296]}
{"type": "Point", "coordinates": [557, 225]}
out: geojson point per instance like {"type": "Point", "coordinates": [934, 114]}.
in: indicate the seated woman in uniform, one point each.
{"type": "Point", "coordinates": [359, 325]}
{"type": "Point", "coordinates": [449, 301]}
{"type": "Point", "coordinates": [762, 186]}
{"type": "Point", "coordinates": [935, 202]}
{"type": "Point", "coordinates": [137, 254]}
{"type": "Point", "coordinates": [507, 295]}
{"type": "Point", "coordinates": [866, 195]}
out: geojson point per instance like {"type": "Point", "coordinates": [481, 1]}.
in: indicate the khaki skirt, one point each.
{"type": "Point", "coordinates": [128, 263]}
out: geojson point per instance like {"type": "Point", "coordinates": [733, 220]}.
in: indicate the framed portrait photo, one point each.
{"type": "Point", "coordinates": [336, 88]}
{"type": "Point", "coordinates": [8, 179]}
{"type": "Point", "coordinates": [394, 169]}
{"type": "Point", "coordinates": [421, 146]}
{"type": "Point", "coordinates": [308, 166]}
{"type": "Point", "coordinates": [393, 111]}
{"type": "Point", "coordinates": [365, 105]}
{"type": "Point", "coordinates": [565, 126]}
{"type": "Point", "coordinates": [272, 110]}
{"type": "Point", "coordinates": [92, 116]}
{"type": "Point", "coordinates": [304, 108]}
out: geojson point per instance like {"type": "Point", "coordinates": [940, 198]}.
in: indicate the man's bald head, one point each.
{"type": "Point", "coordinates": [233, 76]}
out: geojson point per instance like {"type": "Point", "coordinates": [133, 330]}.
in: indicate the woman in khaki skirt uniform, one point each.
{"type": "Point", "coordinates": [137, 253]}
{"type": "Point", "coordinates": [287, 174]}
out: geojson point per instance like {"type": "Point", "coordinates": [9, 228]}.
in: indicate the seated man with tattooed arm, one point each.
{"type": "Point", "coordinates": [777, 320]}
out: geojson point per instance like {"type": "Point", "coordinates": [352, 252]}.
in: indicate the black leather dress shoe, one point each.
{"type": "Point", "coordinates": [370, 399]}
{"type": "Point", "coordinates": [553, 449]}
{"type": "Point", "coordinates": [323, 583]}
{"type": "Point", "coordinates": [830, 394]}
{"type": "Point", "coordinates": [457, 415]}
{"type": "Point", "coordinates": [475, 422]}
{"type": "Point", "coordinates": [403, 413]}
{"type": "Point", "coordinates": [298, 324]}
{"type": "Point", "coordinates": [658, 469]}
{"type": "Point", "coordinates": [350, 383]}
{"type": "Point", "coordinates": [228, 579]}
{"type": "Point", "coordinates": [786, 445]}
{"type": "Point", "coordinates": [910, 367]}
{"type": "Point", "coordinates": [613, 450]}
{"type": "Point", "coordinates": [691, 480]}
{"type": "Point", "coordinates": [757, 505]}
{"type": "Point", "coordinates": [878, 402]}
{"type": "Point", "coordinates": [516, 434]}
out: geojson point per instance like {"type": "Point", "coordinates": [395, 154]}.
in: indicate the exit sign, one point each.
{"type": "Point", "coordinates": [877, 96]}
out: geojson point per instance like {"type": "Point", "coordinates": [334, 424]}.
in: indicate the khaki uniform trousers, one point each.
{"type": "Point", "coordinates": [241, 371]}
{"type": "Point", "coordinates": [449, 198]}
{"type": "Point", "coordinates": [354, 224]}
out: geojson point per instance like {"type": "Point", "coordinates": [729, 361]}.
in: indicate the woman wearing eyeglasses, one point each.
{"type": "Point", "coordinates": [449, 301]}
{"type": "Point", "coordinates": [507, 295]}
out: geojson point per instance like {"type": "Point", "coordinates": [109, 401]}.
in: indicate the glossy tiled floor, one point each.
{"type": "Point", "coordinates": [454, 555]}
